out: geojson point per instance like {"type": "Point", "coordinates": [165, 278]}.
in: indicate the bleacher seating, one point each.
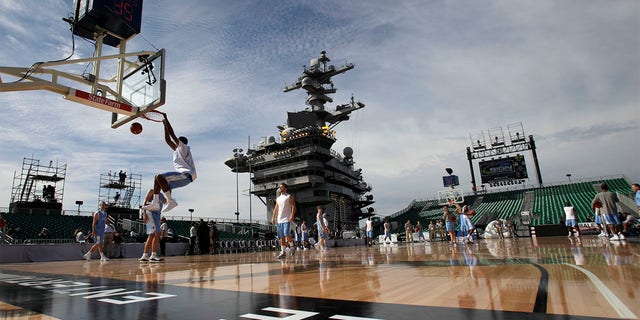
{"type": "Point", "coordinates": [59, 226]}
{"type": "Point", "coordinates": [548, 203]}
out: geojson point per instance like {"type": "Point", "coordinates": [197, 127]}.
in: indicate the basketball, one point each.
{"type": "Point", "coordinates": [136, 128]}
{"type": "Point", "coordinates": [597, 205]}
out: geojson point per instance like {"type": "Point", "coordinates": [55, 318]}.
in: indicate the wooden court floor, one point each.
{"type": "Point", "coordinates": [543, 278]}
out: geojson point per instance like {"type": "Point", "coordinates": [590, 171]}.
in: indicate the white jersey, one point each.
{"type": "Point", "coordinates": [164, 229]}
{"type": "Point", "coordinates": [320, 221]}
{"type": "Point", "coordinates": [284, 208]}
{"type": "Point", "coordinates": [183, 161]}
{"type": "Point", "coordinates": [569, 213]}
{"type": "Point", "coordinates": [369, 224]}
{"type": "Point", "coordinates": [464, 213]}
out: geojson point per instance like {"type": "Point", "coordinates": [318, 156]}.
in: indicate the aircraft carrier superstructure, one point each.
{"type": "Point", "coordinates": [302, 157]}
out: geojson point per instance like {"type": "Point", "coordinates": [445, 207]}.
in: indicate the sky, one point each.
{"type": "Point", "coordinates": [430, 73]}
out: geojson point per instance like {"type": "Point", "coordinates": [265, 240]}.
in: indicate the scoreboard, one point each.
{"type": "Point", "coordinates": [123, 18]}
{"type": "Point", "coordinates": [503, 169]}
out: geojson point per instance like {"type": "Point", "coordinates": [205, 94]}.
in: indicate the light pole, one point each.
{"type": "Point", "coordinates": [569, 177]}
{"type": "Point", "coordinates": [250, 209]}
{"type": "Point", "coordinates": [236, 154]}
{"type": "Point", "coordinates": [191, 215]}
{"type": "Point", "coordinates": [79, 203]}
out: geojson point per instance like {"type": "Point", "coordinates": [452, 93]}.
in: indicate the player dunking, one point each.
{"type": "Point", "coordinates": [183, 163]}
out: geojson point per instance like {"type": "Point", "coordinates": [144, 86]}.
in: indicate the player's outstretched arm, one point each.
{"type": "Point", "coordinates": [169, 136]}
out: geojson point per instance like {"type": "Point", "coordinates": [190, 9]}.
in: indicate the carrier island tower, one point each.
{"type": "Point", "coordinates": [302, 156]}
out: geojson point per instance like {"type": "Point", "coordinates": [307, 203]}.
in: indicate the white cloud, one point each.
{"type": "Point", "coordinates": [429, 72]}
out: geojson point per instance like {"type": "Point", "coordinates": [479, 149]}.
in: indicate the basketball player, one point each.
{"type": "Point", "coordinates": [450, 223]}
{"type": "Point", "coordinates": [164, 233]}
{"type": "Point", "coordinates": [183, 163]}
{"type": "Point", "coordinates": [408, 228]}
{"type": "Point", "coordinates": [97, 232]}
{"type": "Point", "coordinates": [152, 220]}
{"type": "Point", "coordinates": [600, 222]}
{"type": "Point", "coordinates": [609, 208]}
{"type": "Point", "coordinates": [369, 230]}
{"type": "Point", "coordinates": [323, 229]}
{"type": "Point", "coordinates": [305, 235]}
{"type": "Point", "coordinates": [284, 211]}
{"type": "Point", "coordinates": [419, 230]}
{"type": "Point", "coordinates": [387, 232]}
{"type": "Point", "coordinates": [571, 219]}
{"type": "Point", "coordinates": [466, 225]}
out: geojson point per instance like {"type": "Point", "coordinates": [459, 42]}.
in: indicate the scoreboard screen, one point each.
{"type": "Point", "coordinates": [120, 17]}
{"type": "Point", "coordinates": [503, 169]}
{"type": "Point", "coordinates": [451, 180]}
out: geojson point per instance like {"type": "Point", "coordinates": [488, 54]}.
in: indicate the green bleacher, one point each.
{"type": "Point", "coordinates": [505, 204]}
{"type": "Point", "coordinates": [548, 202]}
{"type": "Point", "coordinates": [59, 226]}
{"type": "Point", "coordinates": [181, 228]}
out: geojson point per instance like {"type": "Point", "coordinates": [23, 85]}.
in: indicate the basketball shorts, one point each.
{"type": "Point", "coordinates": [451, 226]}
{"type": "Point", "coordinates": [322, 234]}
{"type": "Point", "coordinates": [612, 218]}
{"type": "Point", "coordinates": [466, 224]}
{"type": "Point", "coordinates": [177, 179]}
{"type": "Point", "coordinates": [284, 229]}
{"type": "Point", "coordinates": [153, 222]}
{"type": "Point", "coordinates": [598, 219]}
{"type": "Point", "coordinates": [369, 234]}
{"type": "Point", "coordinates": [571, 223]}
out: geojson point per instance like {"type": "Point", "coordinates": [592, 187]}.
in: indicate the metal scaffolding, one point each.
{"type": "Point", "coordinates": [39, 183]}
{"type": "Point", "coordinates": [120, 189]}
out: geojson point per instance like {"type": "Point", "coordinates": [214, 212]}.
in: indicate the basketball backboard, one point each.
{"type": "Point", "coordinates": [446, 195]}
{"type": "Point", "coordinates": [143, 88]}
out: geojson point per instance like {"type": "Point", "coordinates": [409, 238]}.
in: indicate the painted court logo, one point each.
{"type": "Point", "coordinates": [85, 290]}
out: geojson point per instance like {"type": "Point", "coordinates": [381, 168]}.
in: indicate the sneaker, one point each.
{"type": "Point", "coordinates": [153, 206]}
{"type": "Point", "coordinates": [87, 256]}
{"type": "Point", "coordinates": [614, 238]}
{"type": "Point", "coordinates": [144, 258]}
{"type": "Point", "coordinates": [155, 259]}
{"type": "Point", "coordinates": [104, 259]}
{"type": "Point", "coordinates": [602, 235]}
{"type": "Point", "coordinates": [172, 203]}
{"type": "Point", "coordinates": [621, 236]}
{"type": "Point", "coordinates": [305, 249]}
{"type": "Point", "coordinates": [282, 255]}
{"type": "Point", "coordinates": [293, 251]}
